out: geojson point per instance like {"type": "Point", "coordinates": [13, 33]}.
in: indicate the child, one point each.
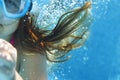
{"type": "Point", "coordinates": [34, 46]}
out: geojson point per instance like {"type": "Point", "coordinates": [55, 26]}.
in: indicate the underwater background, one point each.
{"type": "Point", "coordinates": [99, 58]}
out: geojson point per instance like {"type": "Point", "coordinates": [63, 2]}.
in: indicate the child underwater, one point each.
{"type": "Point", "coordinates": [32, 46]}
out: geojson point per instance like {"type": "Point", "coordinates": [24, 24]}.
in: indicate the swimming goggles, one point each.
{"type": "Point", "coordinates": [15, 8]}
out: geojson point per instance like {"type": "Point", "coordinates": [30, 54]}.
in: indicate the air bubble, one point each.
{"type": "Point", "coordinates": [24, 60]}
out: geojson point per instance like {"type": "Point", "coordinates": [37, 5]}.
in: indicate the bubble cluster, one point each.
{"type": "Point", "coordinates": [100, 8]}
{"type": "Point", "coordinates": [50, 12]}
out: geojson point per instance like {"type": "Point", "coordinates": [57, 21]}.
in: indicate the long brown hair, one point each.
{"type": "Point", "coordinates": [68, 33]}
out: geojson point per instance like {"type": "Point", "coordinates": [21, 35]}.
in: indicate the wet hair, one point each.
{"type": "Point", "coordinates": [69, 33]}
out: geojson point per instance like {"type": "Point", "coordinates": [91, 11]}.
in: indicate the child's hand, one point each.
{"type": "Point", "coordinates": [8, 57]}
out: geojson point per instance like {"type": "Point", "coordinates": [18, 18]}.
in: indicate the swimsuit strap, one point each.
{"type": "Point", "coordinates": [12, 41]}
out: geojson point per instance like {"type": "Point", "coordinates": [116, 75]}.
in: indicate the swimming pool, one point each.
{"type": "Point", "coordinates": [99, 58]}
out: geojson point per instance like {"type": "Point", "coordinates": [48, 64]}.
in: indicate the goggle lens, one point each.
{"type": "Point", "coordinates": [15, 8]}
{"type": "Point", "coordinates": [12, 6]}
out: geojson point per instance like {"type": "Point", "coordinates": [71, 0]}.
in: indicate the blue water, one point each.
{"type": "Point", "coordinates": [99, 58]}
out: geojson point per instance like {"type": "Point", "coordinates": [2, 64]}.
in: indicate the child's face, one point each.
{"type": "Point", "coordinates": [7, 25]}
